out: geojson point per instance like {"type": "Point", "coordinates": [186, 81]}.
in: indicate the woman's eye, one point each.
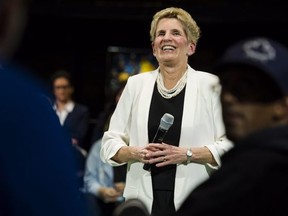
{"type": "Point", "coordinates": [161, 33]}
{"type": "Point", "coordinates": [176, 33]}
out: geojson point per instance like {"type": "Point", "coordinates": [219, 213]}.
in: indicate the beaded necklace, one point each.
{"type": "Point", "coordinates": [165, 93]}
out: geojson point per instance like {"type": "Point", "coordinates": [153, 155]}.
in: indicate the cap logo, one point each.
{"type": "Point", "coordinates": [259, 49]}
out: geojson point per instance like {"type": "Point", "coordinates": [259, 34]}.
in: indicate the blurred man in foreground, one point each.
{"type": "Point", "coordinates": [37, 166]}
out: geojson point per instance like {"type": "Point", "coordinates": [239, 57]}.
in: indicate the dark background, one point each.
{"type": "Point", "coordinates": [75, 35]}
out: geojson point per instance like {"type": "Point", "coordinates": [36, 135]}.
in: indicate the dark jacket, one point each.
{"type": "Point", "coordinates": [77, 123]}
{"type": "Point", "coordinates": [253, 179]}
{"type": "Point", "coordinates": [37, 164]}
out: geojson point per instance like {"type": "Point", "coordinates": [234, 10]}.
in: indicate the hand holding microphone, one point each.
{"type": "Point", "coordinates": [165, 123]}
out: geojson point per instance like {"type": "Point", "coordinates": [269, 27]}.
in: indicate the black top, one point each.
{"type": "Point", "coordinates": [163, 178]}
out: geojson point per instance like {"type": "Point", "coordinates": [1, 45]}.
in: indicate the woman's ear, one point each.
{"type": "Point", "coordinates": [191, 49]}
{"type": "Point", "coordinates": [153, 49]}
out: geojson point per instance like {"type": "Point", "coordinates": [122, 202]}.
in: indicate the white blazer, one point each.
{"type": "Point", "coordinates": [202, 125]}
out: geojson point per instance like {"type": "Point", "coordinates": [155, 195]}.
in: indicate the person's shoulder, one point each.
{"type": "Point", "coordinates": [139, 81]}
{"type": "Point", "coordinates": [206, 82]}
{"type": "Point", "coordinates": [97, 144]}
{"type": "Point", "coordinates": [207, 75]}
{"type": "Point", "coordinates": [95, 148]}
{"type": "Point", "coordinates": [204, 77]}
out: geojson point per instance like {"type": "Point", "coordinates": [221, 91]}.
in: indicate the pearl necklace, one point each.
{"type": "Point", "coordinates": [165, 93]}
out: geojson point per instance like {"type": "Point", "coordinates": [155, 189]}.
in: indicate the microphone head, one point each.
{"type": "Point", "coordinates": [166, 121]}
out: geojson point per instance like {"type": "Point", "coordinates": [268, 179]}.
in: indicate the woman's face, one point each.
{"type": "Point", "coordinates": [171, 45]}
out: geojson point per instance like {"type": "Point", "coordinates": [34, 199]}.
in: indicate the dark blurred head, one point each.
{"type": "Point", "coordinates": [63, 87]}
{"type": "Point", "coordinates": [12, 23]}
{"type": "Point", "coordinates": [254, 79]}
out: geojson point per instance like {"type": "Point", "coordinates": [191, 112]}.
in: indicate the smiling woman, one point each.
{"type": "Point", "coordinates": [193, 146]}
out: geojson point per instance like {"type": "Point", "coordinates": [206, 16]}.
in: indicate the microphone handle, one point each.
{"type": "Point", "coordinates": [158, 138]}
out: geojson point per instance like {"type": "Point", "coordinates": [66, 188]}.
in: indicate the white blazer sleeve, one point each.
{"type": "Point", "coordinates": [221, 144]}
{"type": "Point", "coordinates": [117, 135]}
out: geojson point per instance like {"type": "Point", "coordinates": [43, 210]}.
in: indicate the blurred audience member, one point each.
{"type": "Point", "coordinates": [103, 183]}
{"type": "Point", "coordinates": [73, 116]}
{"type": "Point", "coordinates": [37, 165]}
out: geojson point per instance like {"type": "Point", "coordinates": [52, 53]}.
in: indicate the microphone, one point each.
{"type": "Point", "coordinates": [165, 123]}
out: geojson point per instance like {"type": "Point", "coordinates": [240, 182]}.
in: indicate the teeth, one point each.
{"type": "Point", "coordinates": [167, 48]}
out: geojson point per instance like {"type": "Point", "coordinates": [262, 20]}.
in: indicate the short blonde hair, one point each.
{"type": "Point", "coordinates": [190, 26]}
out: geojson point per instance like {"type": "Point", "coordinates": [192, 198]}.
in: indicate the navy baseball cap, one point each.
{"type": "Point", "coordinates": [262, 53]}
